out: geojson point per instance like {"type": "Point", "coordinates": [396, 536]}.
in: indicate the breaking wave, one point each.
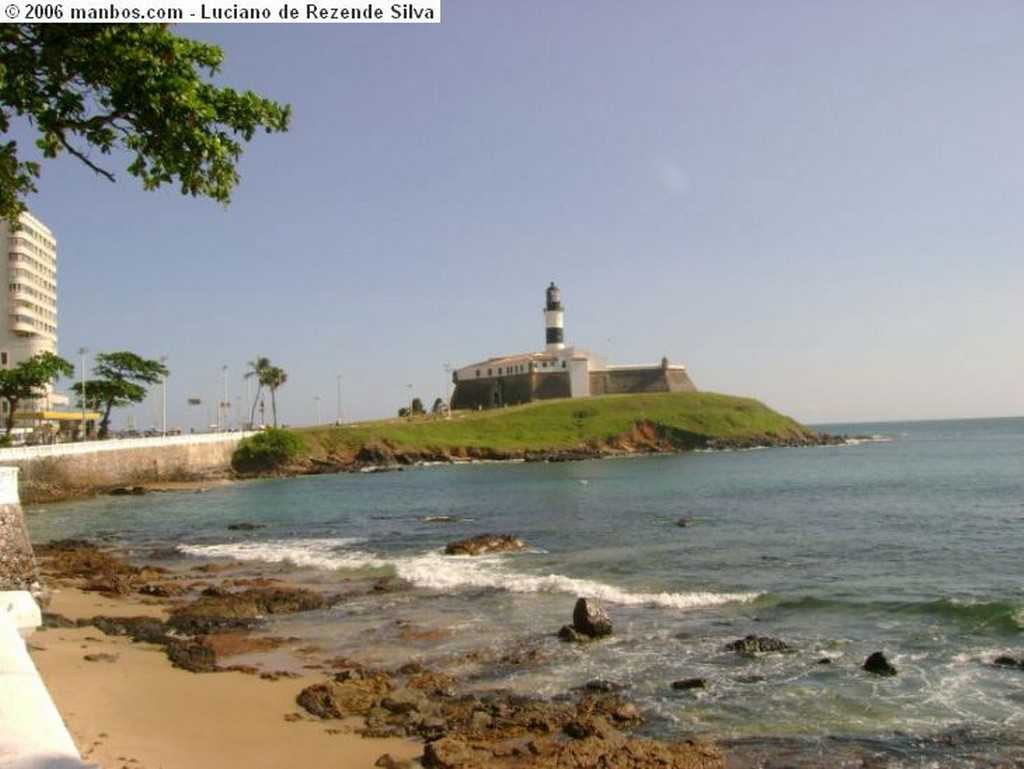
{"type": "Point", "coordinates": [434, 571]}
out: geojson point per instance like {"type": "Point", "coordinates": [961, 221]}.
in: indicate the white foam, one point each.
{"type": "Point", "coordinates": [446, 573]}
{"type": "Point", "coordinates": [330, 553]}
{"type": "Point", "coordinates": [435, 571]}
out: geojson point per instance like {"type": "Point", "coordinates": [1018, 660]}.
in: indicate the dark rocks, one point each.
{"type": "Point", "coordinates": [243, 610]}
{"type": "Point", "coordinates": [1008, 662]}
{"type": "Point", "coordinates": [139, 629]}
{"type": "Point", "coordinates": [601, 686]}
{"type": "Point", "coordinates": [589, 621]}
{"type": "Point", "coordinates": [684, 522]}
{"type": "Point", "coordinates": [124, 491]}
{"type": "Point", "coordinates": [245, 526]}
{"type": "Point", "coordinates": [484, 544]}
{"type": "Point", "coordinates": [351, 693]}
{"type": "Point", "coordinates": [690, 683]}
{"type": "Point", "coordinates": [52, 620]}
{"type": "Point", "coordinates": [877, 664]}
{"type": "Point", "coordinates": [376, 455]}
{"type": "Point", "coordinates": [452, 753]}
{"type": "Point", "coordinates": [499, 730]}
{"type": "Point", "coordinates": [100, 657]}
{"type": "Point", "coordinates": [754, 644]}
{"type": "Point", "coordinates": [193, 656]}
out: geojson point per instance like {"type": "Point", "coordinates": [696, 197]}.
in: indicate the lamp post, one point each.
{"type": "Point", "coordinates": [82, 351]}
{"type": "Point", "coordinates": [225, 404]}
{"type": "Point", "coordinates": [337, 416]}
{"type": "Point", "coordinates": [445, 407]}
{"type": "Point", "coordinates": [163, 400]}
{"type": "Point", "coordinates": [316, 400]}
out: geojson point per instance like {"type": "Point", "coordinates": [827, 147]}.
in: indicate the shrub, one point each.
{"type": "Point", "coordinates": [267, 451]}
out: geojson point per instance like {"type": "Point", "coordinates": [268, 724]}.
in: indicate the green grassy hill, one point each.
{"type": "Point", "coordinates": [603, 425]}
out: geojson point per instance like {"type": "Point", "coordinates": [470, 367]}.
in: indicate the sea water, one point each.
{"type": "Point", "coordinates": [907, 539]}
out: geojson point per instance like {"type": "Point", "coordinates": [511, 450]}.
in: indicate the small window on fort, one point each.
{"type": "Point", "coordinates": [3, 358]}
{"type": "Point", "coordinates": [478, 373]}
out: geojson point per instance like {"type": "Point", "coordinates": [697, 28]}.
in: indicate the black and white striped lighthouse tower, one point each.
{"type": "Point", "coordinates": [554, 319]}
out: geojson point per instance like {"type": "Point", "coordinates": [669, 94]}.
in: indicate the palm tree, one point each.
{"type": "Point", "coordinates": [257, 368]}
{"type": "Point", "coordinates": [274, 377]}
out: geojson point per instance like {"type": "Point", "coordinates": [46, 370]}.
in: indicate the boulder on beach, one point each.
{"type": "Point", "coordinates": [589, 621]}
{"type": "Point", "coordinates": [484, 544]}
{"type": "Point", "coordinates": [878, 664]}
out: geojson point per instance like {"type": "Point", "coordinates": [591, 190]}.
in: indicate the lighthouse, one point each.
{"type": "Point", "coordinates": [554, 319]}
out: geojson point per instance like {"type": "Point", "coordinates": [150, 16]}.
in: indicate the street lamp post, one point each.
{"type": "Point", "coordinates": [316, 399]}
{"type": "Point", "coordinates": [337, 415]}
{"type": "Point", "coordinates": [82, 351]}
{"type": "Point", "coordinates": [225, 404]}
{"type": "Point", "coordinates": [445, 406]}
{"type": "Point", "coordinates": [163, 400]}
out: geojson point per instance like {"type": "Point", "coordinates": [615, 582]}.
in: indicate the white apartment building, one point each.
{"type": "Point", "coordinates": [28, 320]}
{"type": "Point", "coordinates": [28, 304]}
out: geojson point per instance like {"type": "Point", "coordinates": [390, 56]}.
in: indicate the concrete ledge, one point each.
{"type": "Point", "coordinates": [32, 732]}
{"type": "Point", "coordinates": [22, 609]}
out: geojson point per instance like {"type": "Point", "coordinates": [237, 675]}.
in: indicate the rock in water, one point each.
{"type": "Point", "coordinates": [589, 621]}
{"type": "Point", "coordinates": [877, 663]}
{"type": "Point", "coordinates": [1006, 661]}
{"type": "Point", "coordinates": [483, 544]}
{"type": "Point", "coordinates": [755, 644]}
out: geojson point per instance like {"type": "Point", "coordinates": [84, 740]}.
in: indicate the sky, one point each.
{"type": "Point", "coordinates": [814, 204]}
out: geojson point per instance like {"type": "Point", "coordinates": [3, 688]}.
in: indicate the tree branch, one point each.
{"type": "Point", "coordinates": [78, 154]}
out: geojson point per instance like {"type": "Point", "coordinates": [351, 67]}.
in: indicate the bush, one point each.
{"type": "Point", "coordinates": [266, 451]}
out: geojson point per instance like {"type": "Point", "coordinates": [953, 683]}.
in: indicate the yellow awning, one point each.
{"type": "Point", "coordinates": [59, 416]}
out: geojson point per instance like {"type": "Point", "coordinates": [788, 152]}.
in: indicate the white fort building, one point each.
{"type": "Point", "coordinates": [558, 372]}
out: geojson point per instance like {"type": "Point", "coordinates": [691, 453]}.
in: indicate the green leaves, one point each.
{"type": "Point", "coordinates": [29, 379]}
{"type": "Point", "coordinates": [132, 87]}
{"type": "Point", "coordinates": [120, 381]}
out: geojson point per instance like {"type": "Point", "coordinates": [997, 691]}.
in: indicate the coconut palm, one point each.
{"type": "Point", "coordinates": [258, 369]}
{"type": "Point", "coordinates": [274, 377]}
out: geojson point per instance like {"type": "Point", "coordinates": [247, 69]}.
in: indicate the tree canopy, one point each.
{"type": "Point", "coordinates": [92, 89]}
{"type": "Point", "coordinates": [29, 379]}
{"type": "Point", "coordinates": [120, 381]}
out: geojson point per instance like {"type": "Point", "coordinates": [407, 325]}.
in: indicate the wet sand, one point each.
{"type": "Point", "coordinates": [126, 706]}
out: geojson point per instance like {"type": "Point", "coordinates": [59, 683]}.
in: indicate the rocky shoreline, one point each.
{"type": "Point", "coordinates": [211, 613]}
{"type": "Point", "coordinates": [644, 439]}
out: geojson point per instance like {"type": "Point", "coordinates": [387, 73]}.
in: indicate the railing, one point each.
{"type": "Point", "coordinates": [116, 444]}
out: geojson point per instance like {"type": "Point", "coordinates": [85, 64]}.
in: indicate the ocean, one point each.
{"type": "Point", "coordinates": [905, 540]}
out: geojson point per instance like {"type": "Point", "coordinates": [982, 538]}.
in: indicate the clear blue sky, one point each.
{"type": "Point", "coordinates": [815, 204]}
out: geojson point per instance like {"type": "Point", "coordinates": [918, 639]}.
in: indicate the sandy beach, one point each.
{"type": "Point", "coordinates": [126, 706]}
{"type": "Point", "coordinates": [138, 704]}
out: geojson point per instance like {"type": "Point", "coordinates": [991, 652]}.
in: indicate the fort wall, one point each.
{"type": "Point", "coordinates": [655, 379]}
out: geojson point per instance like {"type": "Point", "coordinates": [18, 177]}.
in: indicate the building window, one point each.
{"type": "Point", "coordinates": [3, 358]}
